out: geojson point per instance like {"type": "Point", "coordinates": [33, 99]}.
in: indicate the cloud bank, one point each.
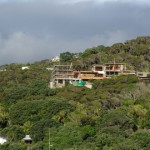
{"type": "Point", "coordinates": [32, 30]}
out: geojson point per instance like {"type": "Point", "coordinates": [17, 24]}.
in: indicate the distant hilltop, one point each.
{"type": "Point", "coordinates": [135, 52]}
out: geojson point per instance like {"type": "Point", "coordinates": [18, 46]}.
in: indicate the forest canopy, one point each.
{"type": "Point", "coordinates": [113, 115]}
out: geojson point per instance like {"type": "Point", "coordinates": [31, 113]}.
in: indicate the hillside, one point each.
{"type": "Point", "coordinates": [113, 115]}
{"type": "Point", "coordinates": [136, 53]}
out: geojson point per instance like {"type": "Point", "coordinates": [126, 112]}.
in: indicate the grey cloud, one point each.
{"type": "Point", "coordinates": [40, 30]}
{"type": "Point", "coordinates": [22, 48]}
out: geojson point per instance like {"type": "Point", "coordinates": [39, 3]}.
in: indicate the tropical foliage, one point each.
{"type": "Point", "coordinates": [113, 115]}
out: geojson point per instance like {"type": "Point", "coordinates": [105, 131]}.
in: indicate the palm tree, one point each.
{"type": "Point", "coordinates": [3, 117]}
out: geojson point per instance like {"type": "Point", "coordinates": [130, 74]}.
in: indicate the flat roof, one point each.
{"type": "Point", "coordinates": [115, 64]}
{"type": "Point", "coordinates": [88, 72]}
{"type": "Point", "coordinates": [62, 65]}
{"type": "Point", "coordinates": [83, 77]}
{"type": "Point", "coordinates": [98, 65]}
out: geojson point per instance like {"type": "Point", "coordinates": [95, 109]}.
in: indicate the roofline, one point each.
{"type": "Point", "coordinates": [62, 65]}
{"type": "Point", "coordinates": [115, 63]}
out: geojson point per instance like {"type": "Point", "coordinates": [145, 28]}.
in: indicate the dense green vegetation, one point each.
{"type": "Point", "coordinates": [134, 52]}
{"type": "Point", "coordinates": [113, 115]}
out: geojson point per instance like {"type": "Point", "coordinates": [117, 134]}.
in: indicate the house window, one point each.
{"type": "Point", "coordinates": [60, 81]}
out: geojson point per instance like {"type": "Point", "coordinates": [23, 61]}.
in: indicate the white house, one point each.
{"type": "Point", "coordinates": [25, 67]}
{"type": "Point", "coordinates": [2, 140]}
{"type": "Point", "coordinates": [2, 68]}
{"type": "Point", "coordinates": [55, 59]}
{"type": "Point", "coordinates": [49, 69]}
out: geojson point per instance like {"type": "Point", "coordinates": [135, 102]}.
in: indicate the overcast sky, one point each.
{"type": "Point", "coordinates": [33, 30]}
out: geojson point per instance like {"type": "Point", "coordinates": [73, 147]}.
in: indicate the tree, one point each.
{"type": "Point", "coordinates": [4, 116]}
{"type": "Point", "coordinates": [66, 56]}
{"type": "Point", "coordinates": [142, 138]}
{"type": "Point", "coordinates": [65, 137]}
